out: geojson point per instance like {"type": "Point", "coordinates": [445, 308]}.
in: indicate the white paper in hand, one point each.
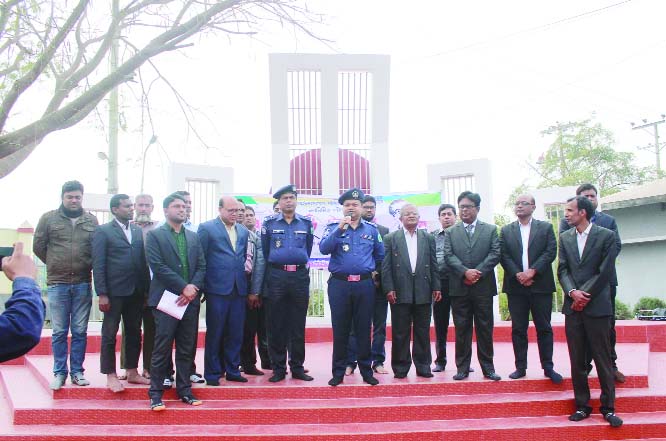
{"type": "Point", "coordinates": [168, 305]}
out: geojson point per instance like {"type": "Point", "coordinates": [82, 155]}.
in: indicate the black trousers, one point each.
{"type": "Point", "coordinates": [147, 343]}
{"type": "Point", "coordinates": [128, 309]}
{"type": "Point", "coordinates": [613, 335]}
{"type": "Point", "coordinates": [477, 310]}
{"type": "Point", "coordinates": [254, 336]}
{"type": "Point", "coordinates": [404, 318]}
{"type": "Point", "coordinates": [287, 307]}
{"type": "Point", "coordinates": [441, 314]}
{"type": "Point", "coordinates": [184, 333]}
{"type": "Point", "coordinates": [593, 332]}
{"type": "Point", "coordinates": [540, 305]}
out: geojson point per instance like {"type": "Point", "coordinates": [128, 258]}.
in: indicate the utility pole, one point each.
{"type": "Point", "coordinates": [657, 147]}
{"type": "Point", "coordinates": [560, 128]}
{"type": "Point", "coordinates": [113, 110]}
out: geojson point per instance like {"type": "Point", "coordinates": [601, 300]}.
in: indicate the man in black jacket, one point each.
{"type": "Point", "coordinates": [121, 279]}
{"type": "Point", "coordinates": [607, 221]}
{"type": "Point", "coordinates": [528, 250]}
{"type": "Point", "coordinates": [587, 256]}
{"type": "Point", "coordinates": [177, 261]}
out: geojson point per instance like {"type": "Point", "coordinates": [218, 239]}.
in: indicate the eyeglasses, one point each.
{"type": "Point", "coordinates": [466, 207]}
{"type": "Point", "coordinates": [523, 203]}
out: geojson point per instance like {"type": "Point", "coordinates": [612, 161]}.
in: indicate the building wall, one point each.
{"type": "Point", "coordinates": [640, 264]}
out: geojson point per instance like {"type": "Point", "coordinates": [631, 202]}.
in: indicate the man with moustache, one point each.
{"type": "Point", "coordinates": [411, 282]}
{"type": "Point", "coordinates": [356, 248]}
{"type": "Point", "coordinates": [380, 308]}
{"type": "Point", "coordinates": [63, 241]}
{"type": "Point", "coordinates": [176, 258]}
{"type": "Point", "coordinates": [286, 241]}
{"type": "Point", "coordinates": [586, 260]}
{"type": "Point", "coordinates": [528, 250]}
{"type": "Point", "coordinates": [224, 242]}
{"type": "Point", "coordinates": [472, 250]}
{"type": "Point", "coordinates": [121, 281]}
{"type": "Point", "coordinates": [607, 221]}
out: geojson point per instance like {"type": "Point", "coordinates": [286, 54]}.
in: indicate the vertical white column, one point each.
{"type": "Point", "coordinates": [279, 122]}
{"type": "Point", "coordinates": [379, 155]}
{"type": "Point", "coordinates": [329, 131]}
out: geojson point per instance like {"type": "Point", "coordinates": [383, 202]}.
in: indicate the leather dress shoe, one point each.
{"type": "Point", "coordinates": [613, 420]}
{"type": "Point", "coordinates": [371, 380]}
{"type": "Point", "coordinates": [518, 373]}
{"type": "Point", "coordinates": [212, 382]}
{"type": "Point", "coordinates": [400, 375]}
{"type": "Point", "coordinates": [276, 377]}
{"type": "Point", "coordinates": [619, 378]}
{"type": "Point", "coordinates": [425, 374]}
{"type": "Point", "coordinates": [580, 415]}
{"type": "Point", "coordinates": [554, 376]}
{"type": "Point", "coordinates": [236, 378]}
{"type": "Point", "coordinates": [439, 368]}
{"type": "Point", "coordinates": [460, 376]}
{"type": "Point", "coordinates": [471, 369]}
{"type": "Point", "coordinates": [335, 381]}
{"type": "Point", "coordinates": [252, 370]}
{"type": "Point", "coordinates": [491, 375]}
{"type": "Point", "coordinates": [301, 376]}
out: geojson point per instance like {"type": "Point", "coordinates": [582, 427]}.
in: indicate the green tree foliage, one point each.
{"type": "Point", "coordinates": [649, 303]}
{"type": "Point", "coordinates": [622, 311]}
{"type": "Point", "coordinates": [584, 151]}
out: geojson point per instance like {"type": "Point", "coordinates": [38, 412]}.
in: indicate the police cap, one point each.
{"type": "Point", "coordinates": [352, 193]}
{"type": "Point", "coordinates": [291, 188]}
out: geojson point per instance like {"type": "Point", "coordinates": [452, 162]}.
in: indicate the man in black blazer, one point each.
{"type": "Point", "coordinates": [177, 261]}
{"type": "Point", "coordinates": [528, 250]}
{"type": "Point", "coordinates": [121, 279]}
{"type": "Point", "coordinates": [587, 253]}
{"type": "Point", "coordinates": [607, 221]}
{"type": "Point", "coordinates": [472, 250]}
{"type": "Point", "coordinates": [411, 282]}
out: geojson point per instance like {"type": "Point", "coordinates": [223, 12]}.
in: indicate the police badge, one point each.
{"type": "Point", "coordinates": [278, 243]}
{"type": "Point", "coordinates": [345, 247]}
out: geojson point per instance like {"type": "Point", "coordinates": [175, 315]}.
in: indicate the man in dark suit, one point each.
{"type": "Point", "coordinates": [411, 282]}
{"type": "Point", "coordinates": [381, 305]}
{"type": "Point", "coordinates": [607, 221]}
{"type": "Point", "coordinates": [224, 243]}
{"type": "Point", "coordinates": [528, 250]}
{"type": "Point", "coordinates": [121, 279]}
{"type": "Point", "coordinates": [177, 261]}
{"type": "Point", "coordinates": [587, 255]}
{"type": "Point", "coordinates": [441, 311]}
{"type": "Point", "coordinates": [472, 250]}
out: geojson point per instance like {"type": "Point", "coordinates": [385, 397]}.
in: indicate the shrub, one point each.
{"type": "Point", "coordinates": [622, 311]}
{"type": "Point", "coordinates": [504, 307]}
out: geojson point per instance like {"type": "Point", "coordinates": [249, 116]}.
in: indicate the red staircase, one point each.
{"type": "Point", "coordinates": [410, 409]}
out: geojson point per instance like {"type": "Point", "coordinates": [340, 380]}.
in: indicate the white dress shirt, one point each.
{"type": "Point", "coordinates": [581, 238]}
{"type": "Point", "coordinates": [525, 237]}
{"type": "Point", "coordinates": [412, 249]}
{"type": "Point", "coordinates": [127, 230]}
{"type": "Point", "coordinates": [467, 228]}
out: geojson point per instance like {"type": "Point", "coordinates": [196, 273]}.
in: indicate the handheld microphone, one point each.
{"type": "Point", "coordinates": [345, 226]}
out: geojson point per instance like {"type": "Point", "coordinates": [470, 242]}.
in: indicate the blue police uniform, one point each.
{"type": "Point", "coordinates": [355, 253]}
{"type": "Point", "coordinates": [21, 323]}
{"type": "Point", "coordinates": [287, 247]}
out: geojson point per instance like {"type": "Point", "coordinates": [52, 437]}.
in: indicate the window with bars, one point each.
{"type": "Point", "coordinates": [452, 186]}
{"type": "Point", "coordinates": [204, 199]}
{"type": "Point", "coordinates": [304, 115]}
{"type": "Point", "coordinates": [354, 129]}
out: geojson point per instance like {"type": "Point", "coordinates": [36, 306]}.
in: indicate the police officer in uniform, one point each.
{"type": "Point", "coordinates": [286, 239]}
{"type": "Point", "coordinates": [356, 248]}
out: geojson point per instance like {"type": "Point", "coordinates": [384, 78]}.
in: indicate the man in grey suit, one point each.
{"type": "Point", "coordinates": [587, 257]}
{"type": "Point", "coordinates": [121, 279]}
{"type": "Point", "coordinates": [528, 249]}
{"type": "Point", "coordinates": [411, 282]}
{"type": "Point", "coordinates": [177, 261]}
{"type": "Point", "coordinates": [472, 250]}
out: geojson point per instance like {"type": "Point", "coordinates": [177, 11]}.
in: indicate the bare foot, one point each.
{"type": "Point", "coordinates": [134, 377]}
{"type": "Point", "coordinates": [114, 384]}
{"type": "Point", "coordinates": [146, 374]}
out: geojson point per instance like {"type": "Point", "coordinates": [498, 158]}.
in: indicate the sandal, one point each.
{"type": "Point", "coordinates": [157, 405]}
{"type": "Point", "coordinates": [189, 399]}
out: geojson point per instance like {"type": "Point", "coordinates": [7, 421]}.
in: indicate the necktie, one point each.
{"type": "Point", "coordinates": [470, 230]}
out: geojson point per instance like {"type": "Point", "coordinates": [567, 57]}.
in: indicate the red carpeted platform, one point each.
{"type": "Point", "coordinates": [409, 409]}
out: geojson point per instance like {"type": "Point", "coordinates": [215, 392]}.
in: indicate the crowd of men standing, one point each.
{"type": "Point", "coordinates": [256, 288]}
